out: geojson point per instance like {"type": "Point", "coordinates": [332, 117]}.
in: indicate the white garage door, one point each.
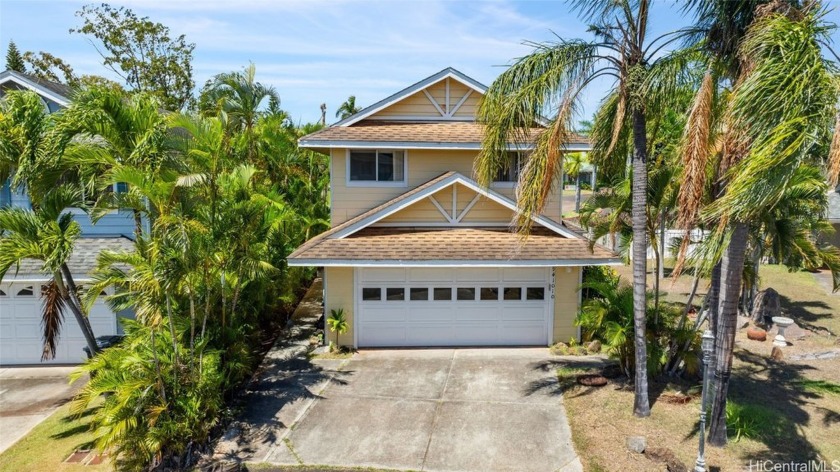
{"type": "Point", "coordinates": [453, 307]}
{"type": "Point", "coordinates": [21, 339]}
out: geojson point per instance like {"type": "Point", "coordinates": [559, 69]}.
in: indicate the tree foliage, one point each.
{"type": "Point", "coordinates": [143, 53]}
{"type": "Point", "coordinates": [348, 108]}
{"type": "Point", "coordinates": [49, 67]}
{"type": "Point", "coordinates": [14, 59]}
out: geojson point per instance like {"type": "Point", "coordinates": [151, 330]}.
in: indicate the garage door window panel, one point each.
{"type": "Point", "coordinates": [419, 294]}
{"type": "Point", "coordinates": [443, 293]}
{"type": "Point", "coordinates": [395, 294]}
{"type": "Point", "coordinates": [370, 294]}
{"type": "Point", "coordinates": [513, 293]}
{"type": "Point", "coordinates": [535, 293]}
{"type": "Point", "coordinates": [466, 293]}
{"type": "Point", "coordinates": [489, 293]}
{"type": "Point", "coordinates": [26, 292]}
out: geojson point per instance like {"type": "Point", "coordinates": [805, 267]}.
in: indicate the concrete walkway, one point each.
{"type": "Point", "coordinates": [454, 410]}
{"type": "Point", "coordinates": [28, 395]}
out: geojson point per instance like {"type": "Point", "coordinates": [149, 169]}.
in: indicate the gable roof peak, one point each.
{"type": "Point", "coordinates": [449, 72]}
{"type": "Point", "coordinates": [59, 93]}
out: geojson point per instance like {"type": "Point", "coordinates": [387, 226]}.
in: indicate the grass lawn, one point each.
{"type": "Point", "coordinates": [791, 408]}
{"type": "Point", "coordinates": [50, 443]}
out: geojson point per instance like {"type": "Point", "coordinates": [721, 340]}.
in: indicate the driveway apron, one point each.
{"type": "Point", "coordinates": [452, 410]}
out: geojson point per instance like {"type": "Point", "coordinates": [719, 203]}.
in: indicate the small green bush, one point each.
{"type": "Point", "coordinates": [752, 421]}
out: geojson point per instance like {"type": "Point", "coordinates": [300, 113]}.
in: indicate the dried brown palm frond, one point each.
{"type": "Point", "coordinates": [834, 154]}
{"type": "Point", "coordinates": [695, 154]}
{"type": "Point", "coordinates": [618, 121]}
{"type": "Point", "coordinates": [52, 317]}
{"type": "Point", "coordinates": [543, 168]}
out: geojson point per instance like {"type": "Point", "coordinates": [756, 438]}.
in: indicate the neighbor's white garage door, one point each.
{"type": "Point", "coordinates": [21, 339]}
{"type": "Point", "coordinates": [453, 307]}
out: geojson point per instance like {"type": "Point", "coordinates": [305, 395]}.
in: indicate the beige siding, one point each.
{"type": "Point", "coordinates": [417, 105]}
{"type": "Point", "coordinates": [566, 302]}
{"type": "Point", "coordinates": [423, 211]}
{"type": "Point", "coordinates": [488, 211]}
{"type": "Point", "coordinates": [423, 165]}
{"type": "Point", "coordinates": [339, 294]}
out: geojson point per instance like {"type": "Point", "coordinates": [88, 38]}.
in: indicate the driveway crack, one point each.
{"type": "Point", "coordinates": [437, 411]}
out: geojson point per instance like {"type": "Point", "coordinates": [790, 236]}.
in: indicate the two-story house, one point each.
{"type": "Point", "coordinates": [419, 254]}
{"type": "Point", "coordinates": [20, 303]}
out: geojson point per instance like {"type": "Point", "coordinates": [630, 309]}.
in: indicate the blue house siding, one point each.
{"type": "Point", "coordinates": [116, 223]}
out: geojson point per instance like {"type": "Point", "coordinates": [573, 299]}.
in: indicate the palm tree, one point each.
{"type": "Point", "coordinates": [573, 165]}
{"type": "Point", "coordinates": [30, 155]}
{"type": "Point", "coordinates": [240, 97]}
{"type": "Point", "coordinates": [348, 108]}
{"type": "Point", "coordinates": [776, 115]}
{"type": "Point", "coordinates": [48, 233]}
{"type": "Point", "coordinates": [105, 129]}
{"type": "Point", "coordinates": [556, 73]}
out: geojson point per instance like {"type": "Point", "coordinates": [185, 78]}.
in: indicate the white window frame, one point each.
{"type": "Point", "coordinates": [512, 183]}
{"type": "Point", "coordinates": [376, 183]}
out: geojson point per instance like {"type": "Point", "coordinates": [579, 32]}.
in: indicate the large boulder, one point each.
{"type": "Point", "coordinates": [767, 305]}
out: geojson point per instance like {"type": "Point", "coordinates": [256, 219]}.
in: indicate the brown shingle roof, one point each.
{"type": "Point", "coordinates": [403, 132]}
{"type": "Point", "coordinates": [452, 244]}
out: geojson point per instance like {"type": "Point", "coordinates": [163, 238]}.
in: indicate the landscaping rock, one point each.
{"type": "Point", "coordinates": [594, 346]}
{"type": "Point", "coordinates": [592, 380]}
{"type": "Point", "coordinates": [767, 305]}
{"type": "Point", "coordinates": [776, 354]}
{"type": "Point", "coordinates": [667, 457]}
{"type": "Point", "coordinates": [757, 334]}
{"type": "Point", "coordinates": [636, 444]}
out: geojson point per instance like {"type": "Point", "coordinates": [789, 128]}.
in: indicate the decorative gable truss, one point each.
{"type": "Point", "coordinates": [448, 95]}
{"type": "Point", "coordinates": [453, 200]}
{"type": "Point", "coordinates": [449, 109]}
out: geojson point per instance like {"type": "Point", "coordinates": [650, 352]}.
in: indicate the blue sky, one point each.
{"type": "Point", "coordinates": [315, 51]}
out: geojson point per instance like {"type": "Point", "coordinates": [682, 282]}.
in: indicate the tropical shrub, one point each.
{"type": "Point", "coordinates": [151, 408]}
{"type": "Point", "coordinates": [338, 324]}
{"type": "Point", "coordinates": [219, 203]}
{"type": "Point", "coordinates": [607, 315]}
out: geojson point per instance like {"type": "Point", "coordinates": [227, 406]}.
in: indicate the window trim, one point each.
{"type": "Point", "coordinates": [512, 183]}
{"type": "Point", "coordinates": [375, 183]}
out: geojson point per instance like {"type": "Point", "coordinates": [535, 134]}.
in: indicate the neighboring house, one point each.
{"type": "Point", "coordinates": [20, 303]}
{"type": "Point", "coordinates": [418, 253]}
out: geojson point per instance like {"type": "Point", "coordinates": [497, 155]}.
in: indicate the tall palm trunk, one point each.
{"type": "Point", "coordinates": [714, 301]}
{"type": "Point", "coordinates": [72, 298]}
{"type": "Point", "coordinates": [577, 194]}
{"type": "Point", "coordinates": [641, 404]}
{"type": "Point", "coordinates": [732, 269]}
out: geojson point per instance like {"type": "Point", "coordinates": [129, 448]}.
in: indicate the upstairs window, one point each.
{"type": "Point", "coordinates": [381, 166]}
{"type": "Point", "coordinates": [509, 173]}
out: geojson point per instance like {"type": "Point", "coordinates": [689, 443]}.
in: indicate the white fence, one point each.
{"type": "Point", "coordinates": [673, 238]}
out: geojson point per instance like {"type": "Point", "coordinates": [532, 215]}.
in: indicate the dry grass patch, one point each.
{"type": "Point", "coordinates": [786, 410]}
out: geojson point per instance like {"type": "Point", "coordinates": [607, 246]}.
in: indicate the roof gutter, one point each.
{"type": "Point", "coordinates": [443, 146]}
{"type": "Point", "coordinates": [454, 263]}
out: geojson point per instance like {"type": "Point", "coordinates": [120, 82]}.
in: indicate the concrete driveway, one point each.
{"type": "Point", "coordinates": [28, 395]}
{"type": "Point", "coordinates": [430, 409]}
